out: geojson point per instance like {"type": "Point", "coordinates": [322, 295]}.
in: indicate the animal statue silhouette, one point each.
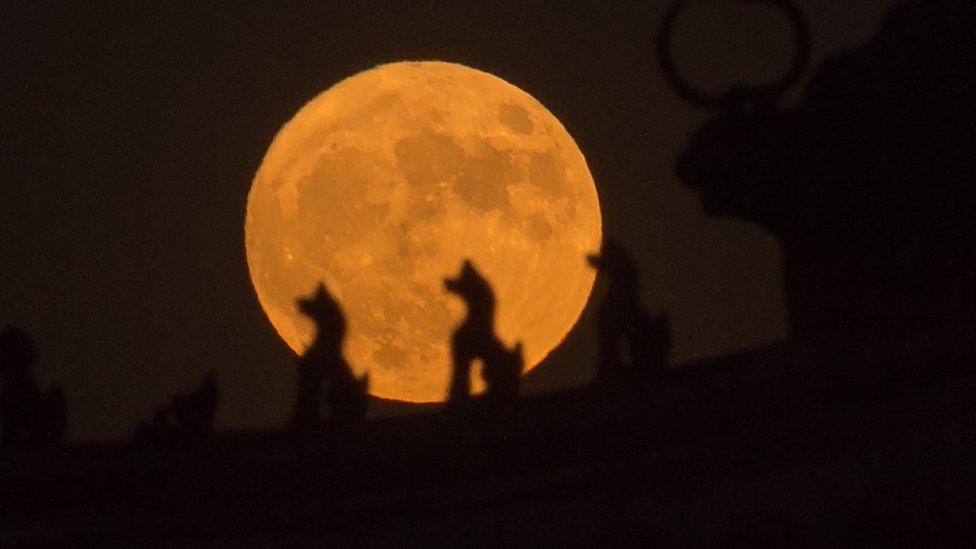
{"type": "Point", "coordinates": [28, 416]}
{"type": "Point", "coordinates": [867, 182]}
{"type": "Point", "coordinates": [195, 412]}
{"type": "Point", "coordinates": [187, 416]}
{"type": "Point", "coordinates": [633, 345]}
{"type": "Point", "coordinates": [475, 339]}
{"type": "Point", "coordinates": [323, 363]}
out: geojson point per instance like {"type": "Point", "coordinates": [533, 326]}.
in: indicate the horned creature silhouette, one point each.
{"type": "Point", "coordinates": [866, 182]}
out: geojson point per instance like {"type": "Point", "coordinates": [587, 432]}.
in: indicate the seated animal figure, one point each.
{"type": "Point", "coordinates": [195, 412]}
{"type": "Point", "coordinates": [189, 415]}
{"type": "Point", "coordinates": [28, 416]}
{"type": "Point", "coordinates": [475, 339]}
{"type": "Point", "coordinates": [323, 363]}
{"type": "Point", "coordinates": [633, 345]}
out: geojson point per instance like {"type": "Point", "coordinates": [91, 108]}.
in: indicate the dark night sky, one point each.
{"type": "Point", "coordinates": [130, 137]}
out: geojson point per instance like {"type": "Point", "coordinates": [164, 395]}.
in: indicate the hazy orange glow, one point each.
{"type": "Point", "coordinates": [384, 183]}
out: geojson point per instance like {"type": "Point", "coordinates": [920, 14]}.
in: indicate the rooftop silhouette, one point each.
{"type": "Point", "coordinates": [867, 182]}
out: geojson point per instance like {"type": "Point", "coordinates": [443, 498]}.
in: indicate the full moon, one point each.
{"type": "Point", "coordinates": [385, 183]}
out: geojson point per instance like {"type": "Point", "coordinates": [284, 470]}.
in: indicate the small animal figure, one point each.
{"type": "Point", "coordinates": [195, 412]}
{"type": "Point", "coordinates": [28, 416]}
{"type": "Point", "coordinates": [323, 363]}
{"type": "Point", "coordinates": [633, 345]}
{"type": "Point", "coordinates": [475, 339]}
{"type": "Point", "coordinates": [189, 415]}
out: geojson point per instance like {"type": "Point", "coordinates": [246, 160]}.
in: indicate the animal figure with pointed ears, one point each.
{"type": "Point", "coordinates": [475, 339]}
{"type": "Point", "coordinates": [323, 364]}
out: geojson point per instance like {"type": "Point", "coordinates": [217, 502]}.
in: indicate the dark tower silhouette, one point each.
{"type": "Point", "coordinates": [28, 416]}
{"type": "Point", "coordinates": [633, 345]}
{"type": "Point", "coordinates": [323, 364]}
{"type": "Point", "coordinates": [868, 182]}
{"type": "Point", "coordinates": [475, 339]}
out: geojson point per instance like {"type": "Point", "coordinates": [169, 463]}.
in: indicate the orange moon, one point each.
{"type": "Point", "coordinates": [383, 184]}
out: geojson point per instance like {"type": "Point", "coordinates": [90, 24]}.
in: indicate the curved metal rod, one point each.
{"type": "Point", "coordinates": [756, 94]}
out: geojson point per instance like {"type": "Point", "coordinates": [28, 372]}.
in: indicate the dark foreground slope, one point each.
{"type": "Point", "coordinates": [765, 446]}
